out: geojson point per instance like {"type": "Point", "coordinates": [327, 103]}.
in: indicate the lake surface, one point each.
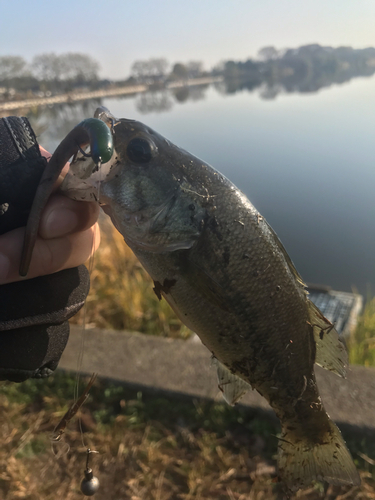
{"type": "Point", "coordinates": [306, 161]}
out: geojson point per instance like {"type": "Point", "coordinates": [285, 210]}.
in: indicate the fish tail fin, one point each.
{"type": "Point", "coordinates": [302, 460]}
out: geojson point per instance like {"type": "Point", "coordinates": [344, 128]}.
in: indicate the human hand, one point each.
{"type": "Point", "coordinates": [68, 236]}
{"type": "Point", "coordinates": [34, 327]}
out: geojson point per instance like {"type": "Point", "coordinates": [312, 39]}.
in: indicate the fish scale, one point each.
{"type": "Point", "coordinates": [239, 325]}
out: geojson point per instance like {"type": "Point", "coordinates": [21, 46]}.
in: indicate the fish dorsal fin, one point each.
{"type": "Point", "coordinates": [330, 350]}
{"type": "Point", "coordinates": [231, 386]}
{"type": "Point", "coordinates": [288, 260]}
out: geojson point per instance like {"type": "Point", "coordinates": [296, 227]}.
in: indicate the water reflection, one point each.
{"type": "Point", "coordinates": [307, 166]}
{"type": "Point", "coordinates": [269, 92]}
{"type": "Point", "coordinates": [160, 101]}
{"type": "Point", "coordinates": [154, 102]}
{"type": "Point", "coordinates": [270, 88]}
{"type": "Point", "coordinates": [193, 93]}
{"type": "Point", "coordinates": [267, 84]}
{"type": "Point", "coordinates": [182, 94]}
{"type": "Point", "coordinates": [53, 123]}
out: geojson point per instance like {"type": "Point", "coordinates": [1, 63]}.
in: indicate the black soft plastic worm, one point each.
{"type": "Point", "coordinates": [90, 131]}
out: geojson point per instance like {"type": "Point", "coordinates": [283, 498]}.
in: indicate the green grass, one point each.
{"type": "Point", "coordinates": [361, 344]}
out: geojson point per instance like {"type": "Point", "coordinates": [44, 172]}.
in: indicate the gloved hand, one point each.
{"type": "Point", "coordinates": [33, 316]}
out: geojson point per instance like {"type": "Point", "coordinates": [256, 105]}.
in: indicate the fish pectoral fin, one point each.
{"type": "Point", "coordinates": [231, 386]}
{"type": "Point", "coordinates": [206, 286]}
{"type": "Point", "coordinates": [331, 353]}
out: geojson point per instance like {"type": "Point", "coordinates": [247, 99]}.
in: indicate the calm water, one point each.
{"type": "Point", "coordinates": [306, 161]}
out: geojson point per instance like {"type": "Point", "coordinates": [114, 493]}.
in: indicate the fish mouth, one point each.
{"type": "Point", "coordinates": [84, 178]}
{"type": "Point", "coordinates": [144, 229]}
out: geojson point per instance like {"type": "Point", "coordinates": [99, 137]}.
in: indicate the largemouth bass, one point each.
{"type": "Point", "coordinates": [225, 273]}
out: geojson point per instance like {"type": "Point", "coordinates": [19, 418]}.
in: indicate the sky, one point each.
{"type": "Point", "coordinates": [118, 32]}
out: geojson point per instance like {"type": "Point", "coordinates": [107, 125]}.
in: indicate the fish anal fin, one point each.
{"type": "Point", "coordinates": [331, 353]}
{"type": "Point", "coordinates": [231, 386]}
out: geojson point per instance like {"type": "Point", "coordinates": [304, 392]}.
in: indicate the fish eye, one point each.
{"type": "Point", "coordinates": [140, 150]}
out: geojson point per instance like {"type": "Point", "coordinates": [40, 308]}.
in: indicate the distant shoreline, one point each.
{"type": "Point", "coordinates": [83, 96]}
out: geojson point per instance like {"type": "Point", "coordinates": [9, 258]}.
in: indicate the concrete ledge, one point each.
{"type": "Point", "coordinates": [184, 368]}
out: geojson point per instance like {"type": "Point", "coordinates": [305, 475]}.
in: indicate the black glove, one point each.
{"type": "Point", "coordinates": [33, 314]}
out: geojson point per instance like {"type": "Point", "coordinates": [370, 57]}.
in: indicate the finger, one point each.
{"type": "Point", "coordinates": [49, 256]}
{"type": "Point", "coordinates": [63, 216]}
{"type": "Point", "coordinates": [44, 153]}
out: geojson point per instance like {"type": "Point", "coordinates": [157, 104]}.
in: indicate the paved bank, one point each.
{"type": "Point", "coordinates": [70, 97]}
{"type": "Point", "coordinates": [184, 368]}
{"type": "Point", "coordinates": [113, 92]}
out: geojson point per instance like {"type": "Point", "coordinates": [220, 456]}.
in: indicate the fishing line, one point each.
{"type": "Point", "coordinates": [84, 330]}
{"type": "Point", "coordinates": [84, 313]}
{"type": "Point", "coordinates": [81, 351]}
{"type": "Point", "coordinates": [90, 483]}
{"type": "Point", "coordinates": [78, 401]}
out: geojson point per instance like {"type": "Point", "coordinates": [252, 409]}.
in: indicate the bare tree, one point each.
{"type": "Point", "coordinates": [139, 69]}
{"type": "Point", "coordinates": [268, 53]}
{"type": "Point", "coordinates": [12, 67]}
{"type": "Point", "coordinates": [64, 67]}
{"type": "Point", "coordinates": [195, 68]}
{"type": "Point", "coordinates": [79, 67]}
{"type": "Point", "coordinates": [159, 67]}
{"type": "Point", "coordinates": [48, 67]}
{"type": "Point", "coordinates": [150, 70]}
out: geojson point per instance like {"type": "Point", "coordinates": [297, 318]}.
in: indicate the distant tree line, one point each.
{"type": "Point", "coordinates": [63, 72]}
{"type": "Point", "coordinates": [158, 71]}
{"type": "Point", "coordinates": [304, 69]}
{"type": "Point", "coordinates": [51, 72]}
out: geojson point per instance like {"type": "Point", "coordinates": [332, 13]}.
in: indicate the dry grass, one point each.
{"type": "Point", "coordinates": [150, 448]}
{"type": "Point", "coordinates": [121, 295]}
